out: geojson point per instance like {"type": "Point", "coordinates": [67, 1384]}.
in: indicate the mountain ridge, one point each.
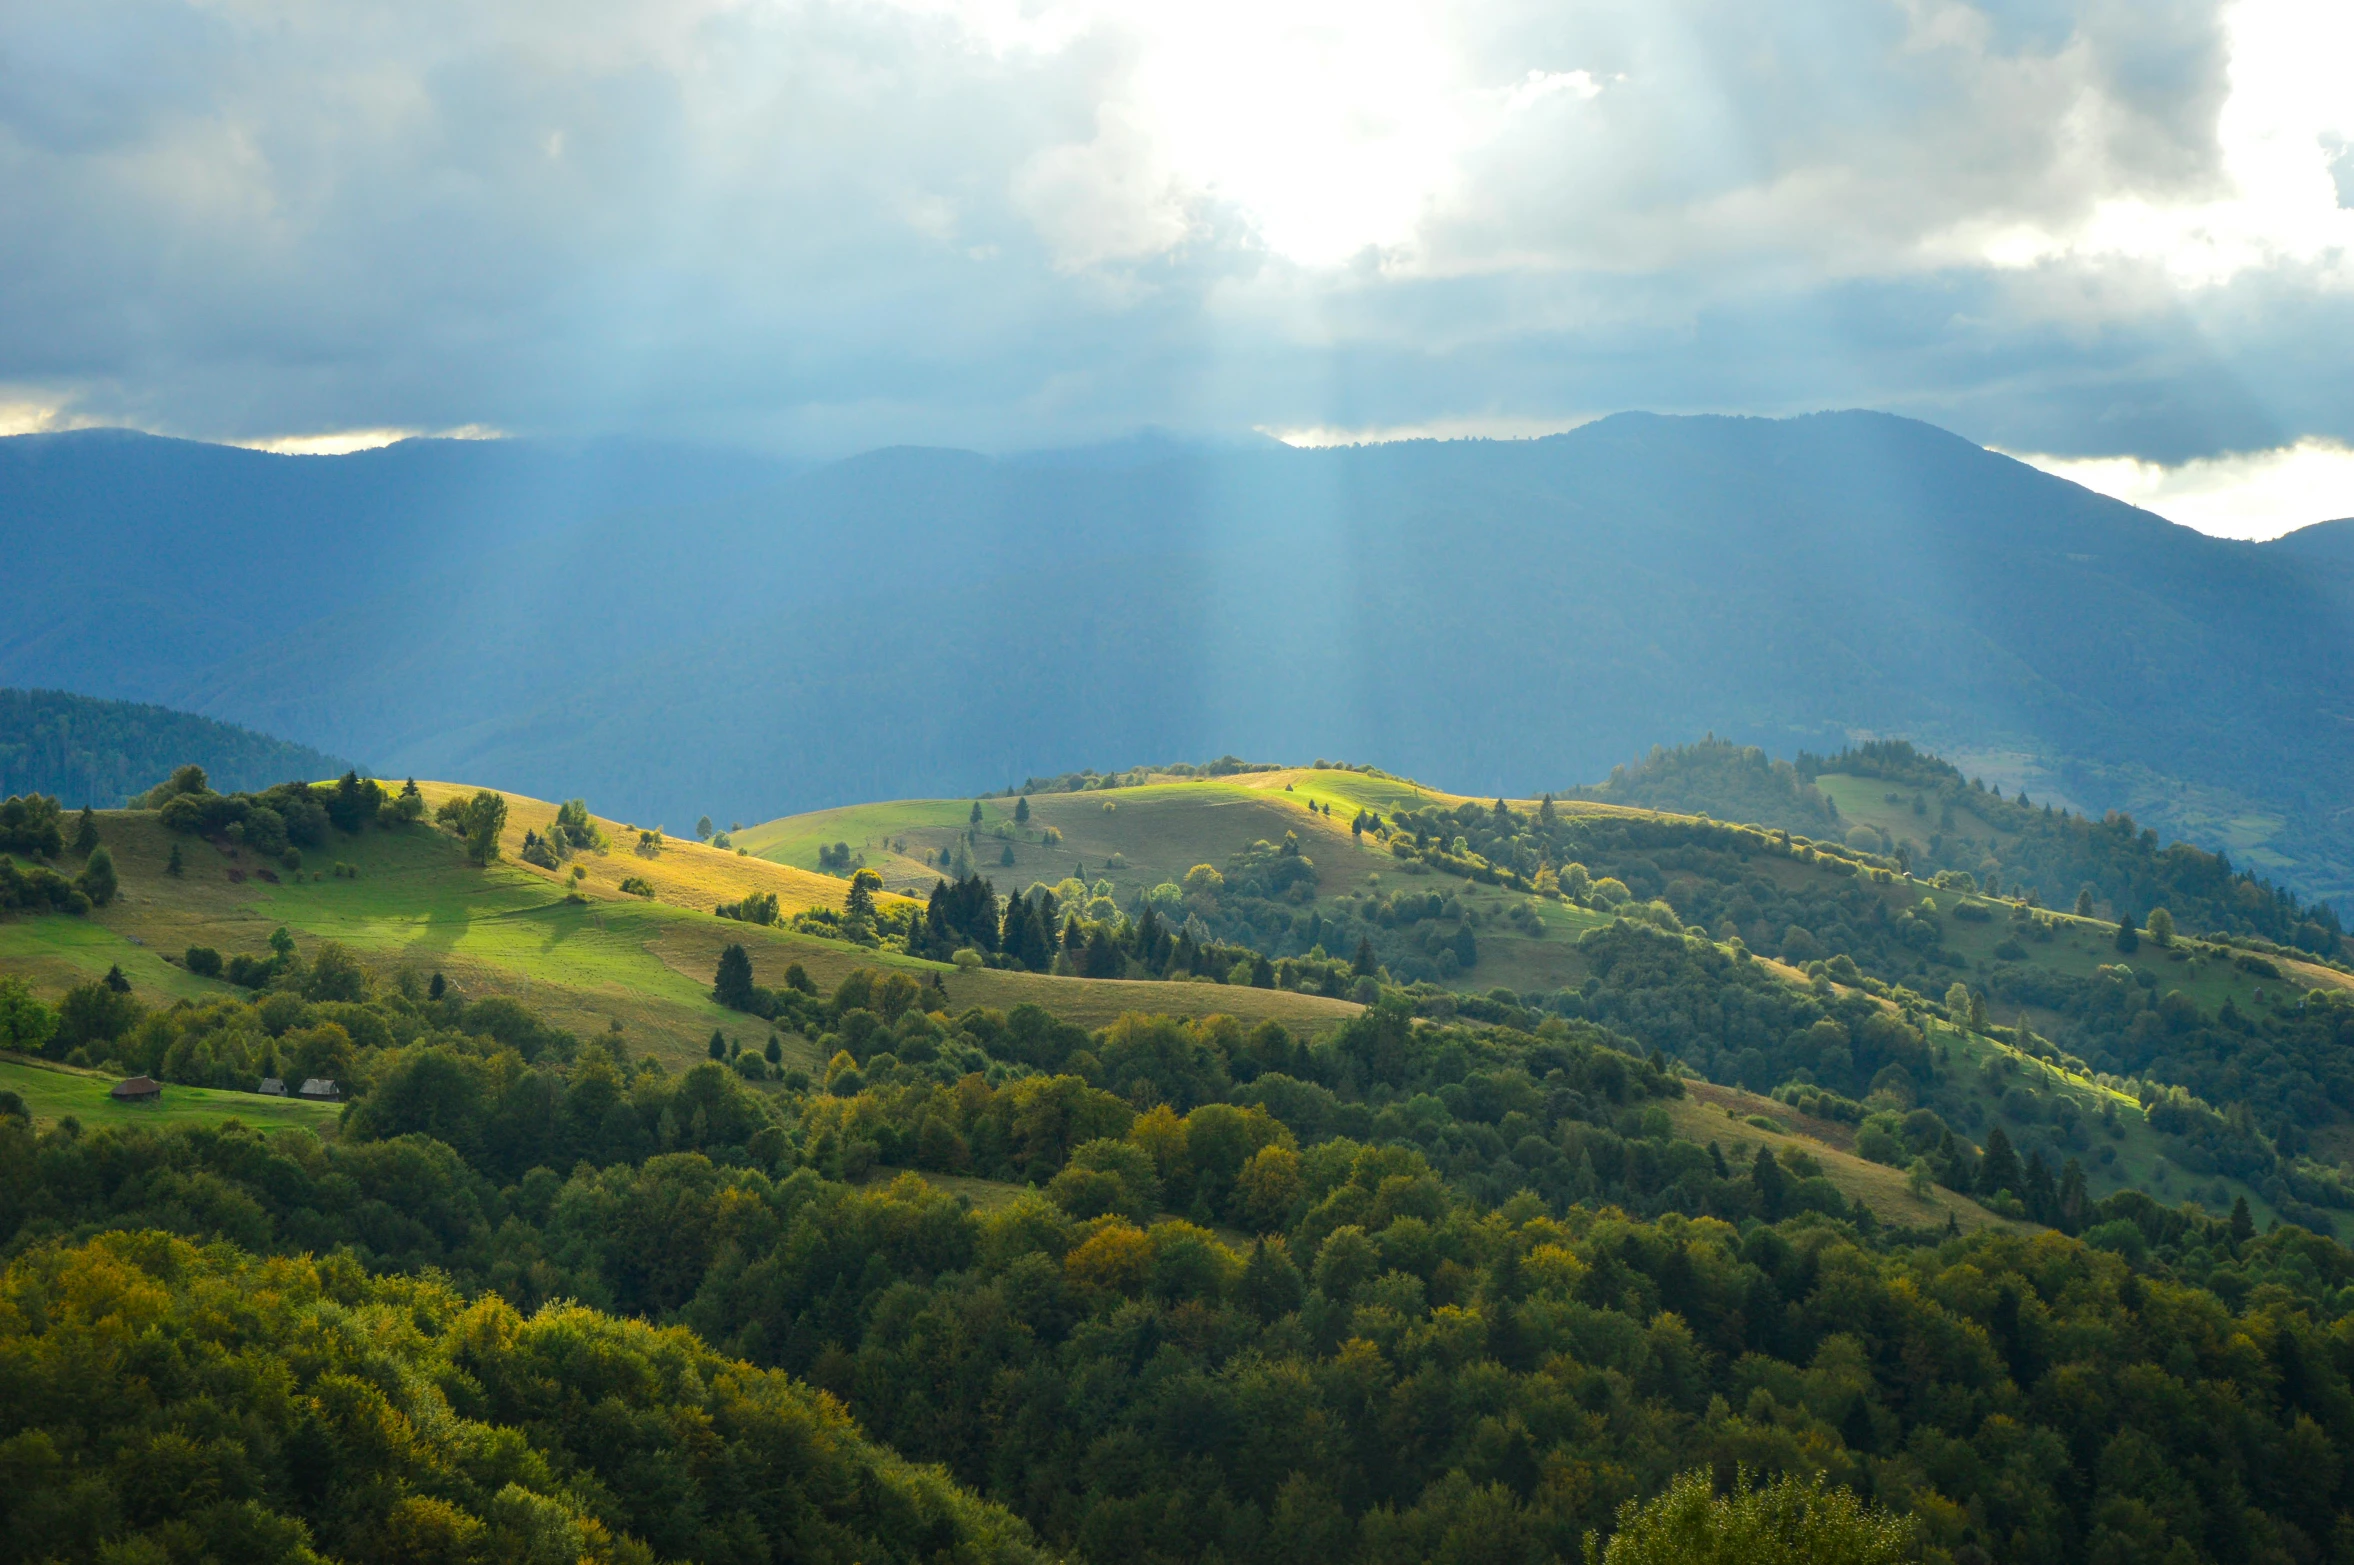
{"type": "Point", "coordinates": [1517, 614]}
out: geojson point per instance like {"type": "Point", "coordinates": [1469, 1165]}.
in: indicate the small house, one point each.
{"type": "Point", "coordinates": [273, 1086]}
{"type": "Point", "coordinates": [319, 1089]}
{"type": "Point", "coordinates": [139, 1089]}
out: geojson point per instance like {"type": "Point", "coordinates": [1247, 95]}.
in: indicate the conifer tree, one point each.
{"type": "Point", "coordinates": [1022, 810]}
{"type": "Point", "coordinates": [436, 989]}
{"type": "Point", "coordinates": [97, 879]}
{"type": "Point", "coordinates": [976, 815]}
{"type": "Point", "coordinates": [1772, 1185]}
{"type": "Point", "coordinates": [86, 831]}
{"type": "Point", "coordinates": [718, 1045]}
{"type": "Point", "coordinates": [173, 865]}
{"type": "Point", "coordinates": [2084, 903]}
{"type": "Point", "coordinates": [2128, 938]}
{"type": "Point", "coordinates": [1999, 1169]}
{"type": "Point", "coordinates": [732, 985]}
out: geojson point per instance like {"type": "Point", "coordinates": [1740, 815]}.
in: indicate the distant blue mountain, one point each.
{"type": "Point", "coordinates": [672, 635]}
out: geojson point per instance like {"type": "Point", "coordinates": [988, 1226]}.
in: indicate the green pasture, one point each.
{"type": "Point", "coordinates": [54, 1091]}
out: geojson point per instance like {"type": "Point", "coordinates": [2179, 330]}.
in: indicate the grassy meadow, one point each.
{"type": "Point", "coordinates": [54, 1092]}
{"type": "Point", "coordinates": [411, 902]}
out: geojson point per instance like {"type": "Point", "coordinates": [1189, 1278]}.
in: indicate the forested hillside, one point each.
{"type": "Point", "coordinates": [1407, 1293]}
{"type": "Point", "coordinates": [1782, 583]}
{"type": "Point", "coordinates": [87, 751]}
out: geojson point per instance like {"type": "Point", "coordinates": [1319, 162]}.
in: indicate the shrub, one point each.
{"type": "Point", "coordinates": [203, 961]}
{"type": "Point", "coordinates": [638, 886]}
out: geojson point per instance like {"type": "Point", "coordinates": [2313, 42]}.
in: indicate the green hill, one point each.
{"type": "Point", "coordinates": [83, 750]}
{"type": "Point", "coordinates": [1770, 1136]}
{"type": "Point", "coordinates": [588, 958]}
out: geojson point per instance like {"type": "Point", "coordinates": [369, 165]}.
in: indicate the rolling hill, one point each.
{"type": "Point", "coordinates": [1693, 1155]}
{"type": "Point", "coordinates": [1517, 615]}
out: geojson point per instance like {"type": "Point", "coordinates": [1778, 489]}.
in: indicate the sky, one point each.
{"type": "Point", "coordinates": [2114, 237]}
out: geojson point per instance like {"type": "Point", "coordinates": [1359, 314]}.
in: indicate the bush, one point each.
{"type": "Point", "coordinates": [638, 886]}
{"type": "Point", "coordinates": [203, 961]}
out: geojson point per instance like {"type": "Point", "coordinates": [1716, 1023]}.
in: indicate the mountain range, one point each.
{"type": "Point", "coordinates": [673, 631]}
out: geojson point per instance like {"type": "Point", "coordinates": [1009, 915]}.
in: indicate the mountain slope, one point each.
{"type": "Point", "coordinates": [87, 751]}
{"type": "Point", "coordinates": [1514, 615]}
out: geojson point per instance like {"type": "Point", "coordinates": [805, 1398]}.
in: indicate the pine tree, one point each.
{"type": "Point", "coordinates": [1364, 964]}
{"type": "Point", "coordinates": [1546, 814]}
{"type": "Point", "coordinates": [2084, 903]}
{"type": "Point", "coordinates": [436, 989]}
{"type": "Point", "coordinates": [1999, 1169]}
{"type": "Point", "coordinates": [718, 1045]}
{"type": "Point", "coordinates": [97, 880]}
{"type": "Point", "coordinates": [1772, 1185]}
{"type": "Point", "coordinates": [775, 1053]}
{"type": "Point", "coordinates": [116, 981]}
{"type": "Point", "coordinates": [173, 865]}
{"type": "Point", "coordinates": [2043, 1200]}
{"type": "Point", "coordinates": [2075, 1199]}
{"type": "Point", "coordinates": [86, 831]}
{"type": "Point", "coordinates": [1022, 810]}
{"type": "Point", "coordinates": [976, 815]}
{"type": "Point", "coordinates": [732, 985]}
{"type": "Point", "coordinates": [2243, 1221]}
{"type": "Point", "coordinates": [2128, 938]}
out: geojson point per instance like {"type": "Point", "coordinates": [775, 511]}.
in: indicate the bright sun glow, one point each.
{"type": "Point", "coordinates": [2254, 494]}
{"type": "Point", "coordinates": [1329, 128]}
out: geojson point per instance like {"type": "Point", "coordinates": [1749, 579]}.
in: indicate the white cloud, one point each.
{"type": "Point", "coordinates": [2281, 134]}
{"type": "Point", "coordinates": [824, 224]}
{"type": "Point", "coordinates": [343, 442]}
{"type": "Point", "coordinates": [1468, 427]}
{"type": "Point", "coordinates": [2250, 494]}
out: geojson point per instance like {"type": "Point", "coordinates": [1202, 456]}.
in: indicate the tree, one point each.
{"type": "Point", "coordinates": [405, 810]}
{"type": "Point", "coordinates": [173, 866]}
{"type": "Point", "coordinates": [2243, 1221]}
{"type": "Point", "coordinates": [1022, 810]}
{"type": "Point", "coordinates": [703, 828]}
{"type": "Point", "coordinates": [2128, 939]}
{"type": "Point", "coordinates": [1791, 1520]}
{"type": "Point", "coordinates": [1957, 1003]}
{"type": "Point", "coordinates": [479, 821]}
{"type": "Point", "coordinates": [975, 818]}
{"type": "Point", "coordinates": [97, 880]}
{"type": "Point", "coordinates": [718, 1048]}
{"type": "Point", "coordinates": [858, 908]}
{"type": "Point", "coordinates": [1364, 963]}
{"type": "Point", "coordinates": [1005, 855]}
{"type": "Point", "coordinates": [732, 985]}
{"type": "Point", "coordinates": [86, 830]}
{"type": "Point", "coordinates": [353, 802]}
{"type": "Point", "coordinates": [1999, 1169]}
{"type": "Point", "coordinates": [436, 989]}
{"type": "Point", "coordinates": [116, 981]}
{"type": "Point", "coordinates": [1772, 1185]}
{"type": "Point", "coordinates": [2161, 926]}
{"type": "Point", "coordinates": [25, 1023]}
{"type": "Point", "coordinates": [775, 1052]}
{"type": "Point", "coordinates": [2084, 903]}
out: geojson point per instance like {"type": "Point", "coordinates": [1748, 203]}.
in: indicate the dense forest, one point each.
{"type": "Point", "coordinates": [85, 751]}
{"type": "Point", "coordinates": [1716, 777]}
{"type": "Point", "coordinates": [1407, 1291]}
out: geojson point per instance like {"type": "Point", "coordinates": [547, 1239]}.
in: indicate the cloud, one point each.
{"type": "Point", "coordinates": [2077, 226]}
{"type": "Point", "coordinates": [2245, 494]}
